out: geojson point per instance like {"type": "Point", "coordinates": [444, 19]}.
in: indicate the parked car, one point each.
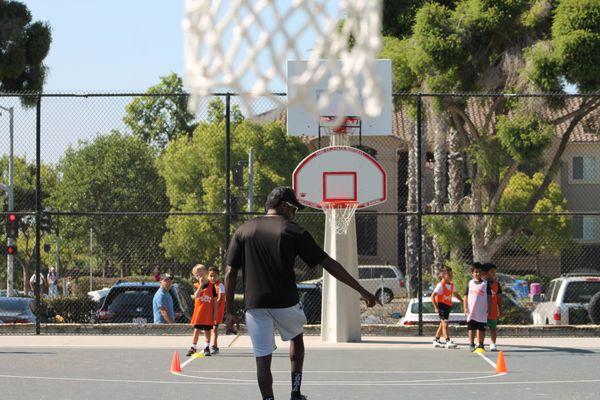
{"type": "Point", "coordinates": [131, 302]}
{"type": "Point", "coordinates": [519, 287]}
{"type": "Point", "coordinates": [411, 317]}
{"type": "Point", "coordinates": [566, 300]}
{"type": "Point", "coordinates": [17, 310]}
{"type": "Point", "coordinates": [311, 296]}
{"type": "Point", "coordinates": [385, 281]}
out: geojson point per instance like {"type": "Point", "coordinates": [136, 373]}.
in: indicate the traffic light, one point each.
{"type": "Point", "coordinates": [46, 223]}
{"type": "Point", "coordinates": [4, 249]}
{"type": "Point", "coordinates": [12, 226]}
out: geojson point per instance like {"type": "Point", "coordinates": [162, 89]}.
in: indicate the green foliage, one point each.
{"type": "Point", "coordinates": [24, 45]}
{"type": "Point", "coordinates": [543, 233]}
{"type": "Point", "coordinates": [159, 119]}
{"type": "Point", "coordinates": [397, 51]}
{"type": "Point", "coordinates": [78, 310]}
{"type": "Point", "coordinates": [194, 171]}
{"type": "Point", "coordinates": [543, 66]}
{"type": "Point", "coordinates": [112, 173]}
{"type": "Point", "coordinates": [461, 274]}
{"type": "Point", "coordinates": [451, 233]}
{"type": "Point", "coordinates": [524, 137]}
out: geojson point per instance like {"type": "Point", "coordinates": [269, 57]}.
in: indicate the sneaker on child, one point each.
{"type": "Point", "coordinates": [493, 347]}
{"type": "Point", "coordinates": [450, 344]}
{"type": "Point", "coordinates": [437, 343]}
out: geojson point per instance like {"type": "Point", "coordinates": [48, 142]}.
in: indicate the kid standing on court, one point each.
{"type": "Point", "coordinates": [496, 307]}
{"type": "Point", "coordinates": [442, 301]}
{"type": "Point", "coordinates": [476, 303]}
{"type": "Point", "coordinates": [213, 277]}
{"type": "Point", "coordinates": [205, 309]}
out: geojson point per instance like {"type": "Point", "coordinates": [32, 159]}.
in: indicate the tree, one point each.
{"type": "Point", "coordinates": [194, 171]}
{"type": "Point", "coordinates": [24, 178]}
{"type": "Point", "coordinates": [23, 46]}
{"type": "Point", "coordinates": [112, 173]}
{"type": "Point", "coordinates": [161, 116]}
{"type": "Point", "coordinates": [504, 46]}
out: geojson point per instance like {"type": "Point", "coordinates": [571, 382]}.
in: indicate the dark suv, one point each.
{"type": "Point", "coordinates": [131, 302]}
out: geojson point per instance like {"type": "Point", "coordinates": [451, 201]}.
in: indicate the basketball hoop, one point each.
{"type": "Point", "coordinates": [340, 214]}
{"type": "Point", "coordinates": [340, 128]}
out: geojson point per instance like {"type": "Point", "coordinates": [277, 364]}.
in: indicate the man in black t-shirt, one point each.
{"type": "Point", "coordinates": [265, 249]}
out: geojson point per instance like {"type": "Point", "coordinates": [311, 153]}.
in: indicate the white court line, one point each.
{"type": "Point", "coordinates": [49, 378]}
{"type": "Point", "coordinates": [493, 364]}
{"type": "Point", "coordinates": [348, 372]}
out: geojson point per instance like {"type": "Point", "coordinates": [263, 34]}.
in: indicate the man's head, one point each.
{"type": "Point", "coordinates": [166, 281]}
{"type": "Point", "coordinates": [213, 274]}
{"type": "Point", "coordinates": [283, 201]}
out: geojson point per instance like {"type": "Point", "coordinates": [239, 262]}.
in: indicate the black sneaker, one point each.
{"type": "Point", "coordinates": [191, 352]}
{"type": "Point", "coordinates": [214, 350]}
{"type": "Point", "coordinates": [298, 397]}
{"type": "Point", "coordinates": [206, 352]}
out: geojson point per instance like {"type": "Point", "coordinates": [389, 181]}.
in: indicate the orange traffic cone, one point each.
{"type": "Point", "coordinates": [501, 364]}
{"type": "Point", "coordinates": [176, 364]}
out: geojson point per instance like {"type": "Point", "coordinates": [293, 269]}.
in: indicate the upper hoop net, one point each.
{"type": "Point", "coordinates": [228, 42]}
{"type": "Point", "coordinates": [339, 128]}
{"type": "Point", "coordinates": [339, 214]}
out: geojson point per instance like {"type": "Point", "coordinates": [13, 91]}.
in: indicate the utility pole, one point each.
{"type": "Point", "coordinates": [10, 192]}
{"type": "Point", "coordinates": [250, 180]}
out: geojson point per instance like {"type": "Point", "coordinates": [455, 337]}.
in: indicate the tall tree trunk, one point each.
{"type": "Point", "coordinates": [455, 180]}
{"type": "Point", "coordinates": [439, 185]}
{"type": "Point", "coordinates": [412, 251]}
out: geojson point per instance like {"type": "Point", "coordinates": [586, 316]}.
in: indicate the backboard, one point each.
{"type": "Point", "coordinates": [341, 102]}
{"type": "Point", "coordinates": [340, 174]}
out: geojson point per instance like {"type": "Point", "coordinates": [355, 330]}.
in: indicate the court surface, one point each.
{"type": "Point", "coordinates": [92, 367]}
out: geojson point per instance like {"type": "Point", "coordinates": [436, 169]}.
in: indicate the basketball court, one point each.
{"type": "Point", "coordinates": [383, 368]}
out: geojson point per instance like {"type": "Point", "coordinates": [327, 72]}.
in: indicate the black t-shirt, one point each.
{"type": "Point", "coordinates": [265, 248]}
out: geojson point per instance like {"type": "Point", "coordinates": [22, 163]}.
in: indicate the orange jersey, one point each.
{"type": "Point", "coordinates": [443, 293]}
{"type": "Point", "coordinates": [494, 310]}
{"type": "Point", "coordinates": [221, 308]}
{"type": "Point", "coordinates": [204, 306]}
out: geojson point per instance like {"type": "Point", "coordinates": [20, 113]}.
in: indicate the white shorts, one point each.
{"type": "Point", "coordinates": [261, 324]}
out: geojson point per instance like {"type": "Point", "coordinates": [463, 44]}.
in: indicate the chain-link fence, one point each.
{"type": "Point", "coordinates": [110, 190]}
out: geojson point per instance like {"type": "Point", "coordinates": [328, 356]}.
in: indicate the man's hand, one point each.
{"type": "Point", "coordinates": [230, 321]}
{"type": "Point", "coordinates": [370, 299]}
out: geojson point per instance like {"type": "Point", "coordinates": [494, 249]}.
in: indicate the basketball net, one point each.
{"type": "Point", "coordinates": [226, 43]}
{"type": "Point", "coordinates": [339, 214]}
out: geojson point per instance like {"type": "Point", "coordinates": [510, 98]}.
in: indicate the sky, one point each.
{"type": "Point", "coordinates": [111, 45]}
{"type": "Point", "coordinates": [101, 46]}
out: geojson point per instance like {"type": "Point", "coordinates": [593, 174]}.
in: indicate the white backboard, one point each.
{"type": "Point", "coordinates": [302, 122]}
{"type": "Point", "coordinates": [337, 173]}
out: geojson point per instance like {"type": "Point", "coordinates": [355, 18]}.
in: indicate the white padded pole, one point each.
{"type": "Point", "coordinates": [340, 312]}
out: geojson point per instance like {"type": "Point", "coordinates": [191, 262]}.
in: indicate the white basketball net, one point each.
{"type": "Point", "coordinates": [339, 215]}
{"type": "Point", "coordinates": [229, 42]}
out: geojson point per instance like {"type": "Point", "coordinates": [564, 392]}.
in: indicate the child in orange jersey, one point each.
{"type": "Point", "coordinates": [442, 301]}
{"type": "Point", "coordinates": [496, 309]}
{"type": "Point", "coordinates": [205, 308]}
{"type": "Point", "coordinates": [213, 277]}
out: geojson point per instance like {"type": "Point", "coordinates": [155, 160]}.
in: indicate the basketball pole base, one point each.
{"type": "Point", "coordinates": [340, 311]}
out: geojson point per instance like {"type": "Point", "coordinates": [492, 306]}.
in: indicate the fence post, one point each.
{"type": "Point", "coordinates": [227, 169]}
{"type": "Point", "coordinates": [420, 213]}
{"type": "Point", "coordinates": [38, 212]}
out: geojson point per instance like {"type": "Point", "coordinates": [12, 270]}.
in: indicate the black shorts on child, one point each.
{"type": "Point", "coordinates": [444, 311]}
{"type": "Point", "coordinates": [203, 327]}
{"type": "Point", "coordinates": [473, 325]}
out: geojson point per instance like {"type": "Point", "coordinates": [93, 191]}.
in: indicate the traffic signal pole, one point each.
{"type": "Point", "coordinates": [10, 193]}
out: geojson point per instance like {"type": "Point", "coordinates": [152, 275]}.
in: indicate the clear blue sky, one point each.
{"type": "Point", "coordinates": [111, 45]}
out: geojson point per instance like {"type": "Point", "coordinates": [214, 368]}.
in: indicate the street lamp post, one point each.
{"type": "Point", "coordinates": [11, 203]}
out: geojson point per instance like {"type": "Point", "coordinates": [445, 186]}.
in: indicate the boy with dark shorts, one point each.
{"type": "Point", "coordinates": [476, 303]}
{"type": "Point", "coordinates": [496, 306]}
{"type": "Point", "coordinates": [442, 301]}
{"type": "Point", "coordinates": [205, 309]}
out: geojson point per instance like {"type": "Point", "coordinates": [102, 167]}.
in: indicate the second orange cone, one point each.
{"type": "Point", "coordinates": [501, 364]}
{"type": "Point", "coordinates": [176, 364]}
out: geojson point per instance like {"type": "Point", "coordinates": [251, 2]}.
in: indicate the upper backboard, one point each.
{"type": "Point", "coordinates": [340, 173]}
{"type": "Point", "coordinates": [301, 122]}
